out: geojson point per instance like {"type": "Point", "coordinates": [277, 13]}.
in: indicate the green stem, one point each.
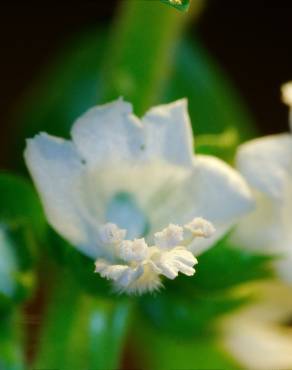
{"type": "Point", "coordinates": [11, 356]}
{"type": "Point", "coordinates": [82, 331]}
{"type": "Point", "coordinates": [141, 51]}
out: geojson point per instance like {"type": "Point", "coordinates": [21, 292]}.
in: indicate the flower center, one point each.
{"type": "Point", "coordinates": [124, 211]}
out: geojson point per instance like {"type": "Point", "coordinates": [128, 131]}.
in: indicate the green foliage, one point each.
{"type": "Point", "coordinates": [17, 278]}
{"type": "Point", "coordinates": [224, 267]}
{"type": "Point", "coordinates": [214, 105]}
{"type": "Point", "coordinates": [158, 350]}
{"type": "Point", "coordinates": [222, 145]}
{"type": "Point", "coordinates": [77, 265]}
{"type": "Point", "coordinates": [182, 5]}
{"type": "Point", "coordinates": [22, 226]}
{"type": "Point", "coordinates": [20, 205]}
{"type": "Point", "coordinates": [92, 329]}
{"type": "Point", "coordinates": [11, 357]}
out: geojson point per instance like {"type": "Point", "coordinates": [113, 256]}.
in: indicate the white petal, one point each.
{"type": "Point", "coordinates": [262, 229]}
{"type": "Point", "coordinates": [256, 336]}
{"type": "Point", "coordinates": [213, 191]}
{"type": "Point", "coordinates": [57, 173]}
{"type": "Point", "coordinates": [286, 90]}
{"type": "Point", "coordinates": [168, 133]}
{"type": "Point", "coordinates": [268, 228]}
{"type": "Point", "coordinates": [108, 133]}
{"type": "Point", "coordinates": [266, 162]}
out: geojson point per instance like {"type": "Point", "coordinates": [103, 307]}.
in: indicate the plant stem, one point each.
{"type": "Point", "coordinates": [82, 331]}
{"type": "Point", "coordinates": [141, 50]}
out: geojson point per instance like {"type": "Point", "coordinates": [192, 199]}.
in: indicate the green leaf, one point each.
{"type": "Point", "coordinates": [92, 329]}
{"type": "Point", "coordinates": [222, 145]}
{"type": "Point", "coordinates": [17, 280]}
{"type": "Point", "coordinates": [189, 314]}
{"type": "Point", "coordinates": [224, 267]}
{"type": "Point", "coordinates": [20, 205]}
{"type": "Point", "coordinates": [79, 266]}
{"type": "Point", "coordinates": [22, 226]}
{"type": "Point", "coordinates": [182, 5]}
{"type": "Point", "coordinates": [157, 350]}
{"type": "Point", "coordinates": [214, 104]}
{"type": "Point", "coordinates": [11, 356]}
{"type": "Point", "coordinates": [190, 306]}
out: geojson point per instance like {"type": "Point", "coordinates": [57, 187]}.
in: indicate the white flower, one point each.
{"type": "Point", "coordinates": [266, 163]}
{"type": "Point", "coordinates": [260, 336]}
{"type": "Point", "coordinates": [121, 177]}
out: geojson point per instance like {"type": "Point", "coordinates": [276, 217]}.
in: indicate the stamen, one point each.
{"type": "Point", "coordinates": [133, 250]}
{"type": "Point", "coordinates": [169, 237]}
{"type": "Point", "coordinates": [200, 227]}
{"type": "Point", "coordinates": [111, 234]}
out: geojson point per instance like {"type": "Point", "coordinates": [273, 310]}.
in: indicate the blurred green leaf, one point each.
{"type": "Point", "coordinates": [225, 266]}
{"type": "Point", "coordinates": [222, 145]}
{"type": "Point", "coordinates": [11, 356]}
{"type": "Point", "coordinates": [92, 329]}
{"type": "Point", "coordinates": [20, 205]}
{"type": "Point", "coordinates": [80, 267]}
{"type": "Point", "coordinates": [157, 350]}
{"type": "Point", "coordinates": [188, 315]}
{"type": "Point", "coordinates": [182, 5]}
{"type": "Point", "coordinates": [22, 226]}
{"type": "Point", "coordinates": [214, 104]}
{"type": "Point", "coordinates": [17, 279]}
{"type": "Point", "coordinates": [190, 306]}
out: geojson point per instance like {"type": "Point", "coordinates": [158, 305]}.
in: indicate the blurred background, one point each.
{"type": "Point", "coordinates": [251, 41]}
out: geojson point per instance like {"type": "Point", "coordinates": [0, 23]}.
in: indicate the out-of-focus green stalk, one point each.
{"type": "Point", "coordinates": [11, 355]}
{"type": "Point", "coordinates": [141, 50]}
{"type": "Point", "coordinates": [82, 331]}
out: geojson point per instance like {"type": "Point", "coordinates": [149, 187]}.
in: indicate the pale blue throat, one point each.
{"type": "Point", "coordinates": [124, 211]}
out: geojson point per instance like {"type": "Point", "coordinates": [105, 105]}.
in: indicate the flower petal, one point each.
{"type": "Point", "coordinates": [108, 133]}
{"type": "Point", "coordinates": [256, 336]}
{"type": "Point", "coordinates": [169, 134]}
{"type": "Point", "coordinates": [213, 191]}
{"type": "Point", "coordinates": [266, 162]}
{"type": "Point", "coordinates": [57, 172]}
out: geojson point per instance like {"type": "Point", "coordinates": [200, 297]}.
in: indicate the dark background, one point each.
{"type": "Point", "coordinates": [251, 40]}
